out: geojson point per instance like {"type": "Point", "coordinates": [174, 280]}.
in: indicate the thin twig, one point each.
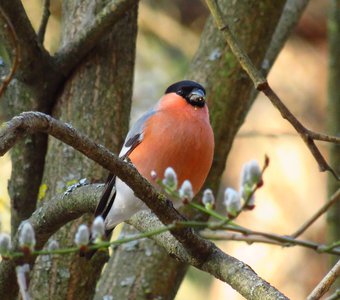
{"type": "Point", "coordinates": [99, 245]}
{"type": "Point", "coordinates": [260, 134]}
{"type": "Point", "coordinates": [325, 283]}
{"type": "Point", "coordinates": [16, 53]}
{"type": "Point", "coordinates": [335, 197]}
{"type": "Point", "coordinates": [262, 85]}
{"type": "Point", "coordinates": [44, 20]}
{"type": "Point", "coordinates": [229, 236]}
{"type": "Point", "coordinates": [285, 241]}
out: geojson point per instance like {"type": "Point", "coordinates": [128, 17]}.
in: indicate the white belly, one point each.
{"type": "Point", "coordinates": [125, 205]}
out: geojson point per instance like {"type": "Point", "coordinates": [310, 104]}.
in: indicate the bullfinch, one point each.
{"type": "Point", "coordinates": [175, 133]}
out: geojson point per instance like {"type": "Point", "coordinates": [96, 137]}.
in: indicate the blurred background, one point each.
{"type": "Point", "coordinates": [294, 188]}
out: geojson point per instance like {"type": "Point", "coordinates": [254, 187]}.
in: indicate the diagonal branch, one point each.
{"type": "Point", "coordinates": [72, 53]}
{"type": "Point", "coordinates": [64, 208]}
{"type": "Point", "coordinates": [325, 284]}
{"type": "Point", "coordinates": [335, 198]}
{"type": "Point", "coordinates": [203, 254]}
{"type": "Point", "coordinates": [261, 84]}
{"type": "Point", "coordinates": [33, 122]}
{"type": "Point", "coordinates": [44, 20]}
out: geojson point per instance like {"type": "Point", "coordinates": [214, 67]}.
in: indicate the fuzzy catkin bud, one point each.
{"type": "Point", "coordinates": [208, 199]}
{"type": "Point", "coordinates": [232, 202]}
{"type": "Point", "coordinates": [170, 178]}
{"type": "Point", "coordinates": [5, 244]}
{"type": "Point", "coordinates": [186, 192]}
{"type": "Point", "coordinates": [98, 228]}
{"type": "Point", "coordinates": [247, 196]}
{"type": "Point", "coordinates": [82, 237]}
{"type": "Point", "coordinates": [251, 173]}
{"type": "Point", "coordinates": [27, 236]}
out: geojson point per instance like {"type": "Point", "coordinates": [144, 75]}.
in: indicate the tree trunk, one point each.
{"type": "Point", "coordinates": [228, 90]}
{"type": "Point", "coordinates": [95, 99]}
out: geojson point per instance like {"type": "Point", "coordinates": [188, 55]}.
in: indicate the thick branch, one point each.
{"type": "Point", "coordinates": [32, 122]}
{"type": "Point", "coordinates": [224, 267]}
{"type": "Point", "coordinates": [203, 254]}
{"type": "Point", "coordinates": [72, 53]}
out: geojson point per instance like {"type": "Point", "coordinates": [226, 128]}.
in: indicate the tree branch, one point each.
{"type": "Point", "coordinates": [32, 122]}
{"type": "Point", "coordinates": [46, 221]}
{"type": "Point", "coordinates": [325, 284]}
{"type": "Point", "coordinates": [44, 20]}
{"type": "Point", "coordinates": [261, 84]}
{"type": "Point", "coordinates": [72, 53]}
{"type": "Point", "coordinates": [203, 254]}
{"type": "Point", "coordinates": [334, 198]}
{"type": "Point", "coordinates": [251, 236]}
{"type": "Point", "coordinates": [224, 267]}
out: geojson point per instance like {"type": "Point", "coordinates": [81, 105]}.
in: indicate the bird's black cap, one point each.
{"type": "Point", "coordinates": [191, 91]}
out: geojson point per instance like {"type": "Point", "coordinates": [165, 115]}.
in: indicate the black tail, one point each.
{"type": "Point", "coordinates": [103, 208]}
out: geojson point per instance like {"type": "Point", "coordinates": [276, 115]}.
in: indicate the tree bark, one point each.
{"type": "Point", "coordinates": [229, 93]}
{"type": "Point", "coordinates": [96, 99]}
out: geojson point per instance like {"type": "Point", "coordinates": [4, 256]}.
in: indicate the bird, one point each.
{"type": "Point", "coordinates": [175, 133]}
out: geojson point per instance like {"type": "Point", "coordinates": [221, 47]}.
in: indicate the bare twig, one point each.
{"type": "Point", "coordinates": [44, 20]}
{"type": "Point", "coordinates": [284, 240]}
{"type": "Point", "coordinates": [229, 236]}
{"type": "Point", "coordinates": [251, 236]}
{"type": "Point", "coordinates": [16, 52]}
{"type": "Point", "coordinates": [335, 197]}
{"type": "Point", "coordinates": [325, 283]}
{"type": "Point", "coordinates": [261, 84]}
{"type": "Point", "coordinates": [260, 134]}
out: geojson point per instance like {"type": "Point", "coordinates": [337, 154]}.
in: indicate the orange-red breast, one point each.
{"type": "Point", "coordinates": [175, 133]}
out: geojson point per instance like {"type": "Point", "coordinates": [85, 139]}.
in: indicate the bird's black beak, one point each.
{"type": "Point", "coordinates": [197, 95]}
